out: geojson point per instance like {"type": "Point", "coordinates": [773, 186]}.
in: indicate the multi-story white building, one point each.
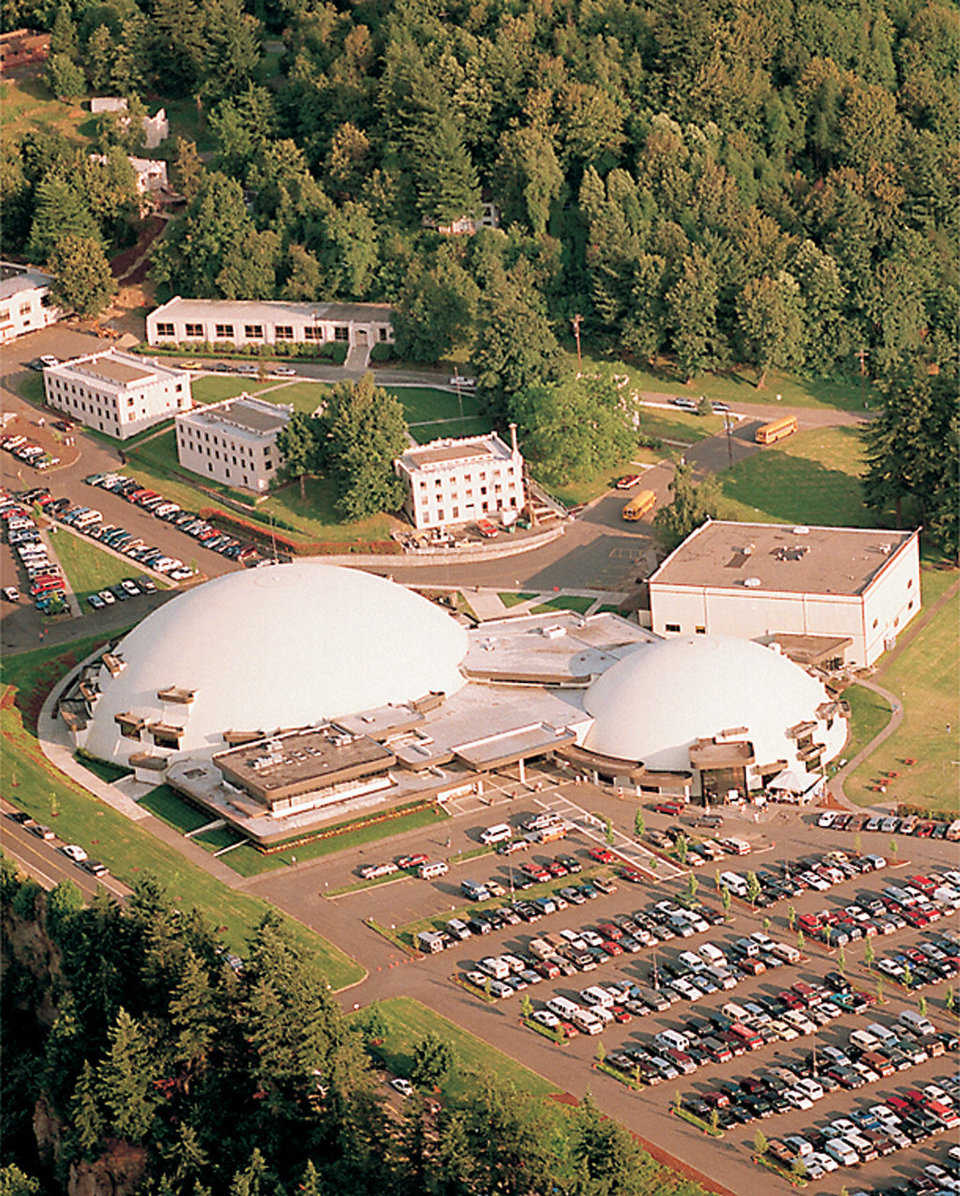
{"type": "Point", "coordinates": [117, 393]}
{"type": "Point", "coordinates": [234, 442]}
{"type": "Point", "coordinates": [825, 594]}
{"type": "Point", "coordinates": [453, 481]}
{"type": "Point", "coordinates": [269, 322]}
{"type": "Point", "coordinates": [25, 302]}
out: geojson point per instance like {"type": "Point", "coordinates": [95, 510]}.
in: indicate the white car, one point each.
{"type": "Point", "coordinates": [826, 820]}
{"type": "Point", "coordinates": [546, 1018]}
{"type": "Point", "coordinates": [800, 1145]}
{"type": "Point", "coordinates": [501, 990]}
{"type": "Point", "coordinates": [74, 852]}
{"type": "Point", "coordinates": [404, 1087]}
{"type": "Point", "coordinates": [284, 371]}
{"type": "Point", "coordinates": [107, 597]}
{"type": "Point", "coordinates": [819, 1159]}
{"type": "Point", "coordinates": [811, 1088]}
{"type": "Point", "coordinates": [460, 380]}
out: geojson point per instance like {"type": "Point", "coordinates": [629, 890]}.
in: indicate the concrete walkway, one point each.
{"type": "Point", "coordinates": [896, 718]}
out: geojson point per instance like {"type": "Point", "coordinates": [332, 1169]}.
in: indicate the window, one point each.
{"type": "Point", "coordinates": [383, 334]}
{"type": "Point", "coordinates": [874, 622]}
{"type": "Point", "coordinates": [162, 329]}
{"type": "Point", "coordinates": [194, 331]}
{"type": "Point", "coordinates": [224, 332]}
{"type": "Point", "coordinates": [313, 334]}
{"type": "Point", "coordinates": [700, 630]}
{"type": "Point", "coordinates": [910, 604]}
{"type": "Point", "coordinates": [341, 333]}
{"type": "Point", "coordinates": [268, 464]}
{"type": "Point", "coordinates": [46, 299]}
{"type": "Point", "coordinates": [284, 332]}
{"type": "Point", "coordinates": [672, 627]}
{"type": "Point", "coordinates": [166, 738]}
{"type": "Point", "coordinates": [130, 401]}
{"type": "Point", "coordinates": [24, 309]}
{"type": "Point", "coordinates": [253, 332]}
{"type": "Point", "coordinates": [909, 583]}
{"type": "Point", "coordinates": [4, 314]}
{"type": "Point", "coordinates": [130, 729]}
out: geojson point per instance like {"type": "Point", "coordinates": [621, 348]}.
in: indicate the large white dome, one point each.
{"type": "Point", "coordinates": [656, 701]}
{"type": "Point", "coordinates": [278, 647]}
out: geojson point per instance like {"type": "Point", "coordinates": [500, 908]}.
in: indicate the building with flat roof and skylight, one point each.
{"type": "Point", "coordinates": [455, 481]}
{"type": "Point", "coordinates": [826, 595]}
{"type": "Point", "coordinates": [234, 442]}
{"type": "Point", "coordinates": [118, 393]}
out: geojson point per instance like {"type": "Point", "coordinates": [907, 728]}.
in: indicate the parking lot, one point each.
{"type": "Point", "coordinates": [781, 837]}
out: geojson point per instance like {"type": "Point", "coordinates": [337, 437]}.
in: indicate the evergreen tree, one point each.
{"type": "Point", "coordinates": [59, 212]}
{"type": "Point", "coordinates": [82, 280]}
{"type": "Point", "coordinates": [692, 315]}
{"type": "Point", "coordinates": [249, 266]}
{"type": "Point", "coordinates": [125, 1080]}
{"type": "Point", "coordinates": [86, 1111]}
{"type": "Point", "coordinates": [446, 179]}
{"type": "Point", "coordinates": [454, 1166]}
{"type": "Point", "coordinates": [304, 280]}
{"type": "Point", "coordinates": [896, 443]}
{"type": "Point", "coordinates": [63, 34]}
{"type": "Point", "coordinates": [300, 444]}
{"type": "Point", "coordinates": [193, 1014]}
{"type": "Point", "coordinates": [100, 58]}
{"type": "Point", "coordinates": [436, 310]}
{"type": "Point", "coordinates": [432, 1062]}
{"type": "Point", "coordinates": [515, 345]}
{"type": "Point", "coordinates": [771, 323]}
{"type": "Point", "coordinates": [64, 78]}
{"type": "Point", "coordinates": [188, 168]}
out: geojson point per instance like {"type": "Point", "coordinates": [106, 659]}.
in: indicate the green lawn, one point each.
{"type": "Point", "coordinates": [87, 567]}
{"type": "Point", "coordinates": [926, 677]}
{"type": "Point", "coordinates": [408, 1022]}
{"type": "Point", "coordinates": [575, 602]}
{"type": "Point", "coordinates": [678, 425]}
{"type": "Point", "coordinates": [427, 404]}
{"type": "Point", "coordinates": [167, 805]}
{"type": "Point", "coordinates": [27, 105]}
{"type": "Point", "coordinates": [33, 785]}
{"type": "Point", "coordinates": [211, 388]}
{"type": "Point", "coordinates": [104, 770]}
{"type": "Point", "coordinates": [739, 387]}
{"type": "Point", "coordinates": [509, 599]}
{"type": "Point", "coordinates": [869, 714]}
{"type": "Point", "coordinates": [477, 425]}
{"type": "Point", "coordinates": [812, 477]}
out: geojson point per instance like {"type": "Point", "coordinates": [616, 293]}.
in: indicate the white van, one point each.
{"type": "Point", "coordinates": [496, 834]}
{"type": "Point", "coordinates": [595, 995]}
{"type": "Point", "coordinates": [917, 1022]}
{"type": "Point", "coordinates": [712, 954]}
{"type": "Point", "coordinates": [563, 1007]}
{"type": "Point", "coordinates": [785, 951]}
{"type": "Point", "coordinates": [735, 883]}
{"type": "Point", "coordinates": [671, 1038]}
{"type": "Point", "coordinates": [587, 1022]}
{"type": "Point", "coordinates": [499, 969]}
{"type": "Point", "coordinates": [433, 869]}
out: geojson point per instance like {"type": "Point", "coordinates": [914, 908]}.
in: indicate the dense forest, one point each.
{"type": "Point", "coordinates": [139, 1057]}
{"type": "Point", "coordinates": [764, 183]}
{"type": "Point", "coordinates": [709, 184]}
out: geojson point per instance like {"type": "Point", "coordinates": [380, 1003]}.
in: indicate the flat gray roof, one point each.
{"type": "Point", "coordinates": [244, 412]}
{"type": "Point", "coordinates": [448, 451]}
{"type": "Point", "coordinates": [781, 557]}
{"type": "Point", "coordinates": [269, 311]}
{"type": "Point", "coordinates": [25, 280]}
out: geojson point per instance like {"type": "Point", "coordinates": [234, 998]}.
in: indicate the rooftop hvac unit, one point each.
{"type": "Point", "coordinates": [749, 549]}
{"type": "Point", "coordinates": [886, 549]}
{"type": "Point", "coordinates": [801, 530]}
{"type": "Point", "coordinates": [554, 632]}
{"type": "Point", "coordinates": [752, 583]}
{"type": "Point", "coordinates": [274, 745]}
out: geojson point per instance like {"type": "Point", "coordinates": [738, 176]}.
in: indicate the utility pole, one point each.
{"type": "Point", "coordinates": [862, 354]}
{"type": "Point", "coordinates": [728, 428]}
{"type": "Point", "coordinates": [456, 382]}
{"type": "Point", "coordinates": [576, 321]}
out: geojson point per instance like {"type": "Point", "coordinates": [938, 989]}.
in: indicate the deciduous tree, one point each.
{"type": "Point", "coordinates": [82, 281]}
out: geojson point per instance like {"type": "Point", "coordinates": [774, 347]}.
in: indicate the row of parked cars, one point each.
{"type": "Point", "coordinates": [792, 878]}
{"type": "Point", "coordinates": [30, 453]}
{"type": "Point", "coordinates": [699, 851]}
{"type": "Point", "coordinates": [45, 582]}
{"type": "Point", "coordinates": [879, 1130]}
{"type": "Point", "coordinates": [921, 828]}
{"type": "Point", "coordinates": [73, 851]}
{"type": "Point", "coordinates": [188, 522]}
{"type": "Point", "coordinates": [931, 961]}
{"type": "Point", "coordinates": [918, 902]}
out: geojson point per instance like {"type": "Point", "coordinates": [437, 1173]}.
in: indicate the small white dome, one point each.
{"type": "Point", "coordinates": [657, 700]}
{"type": "Point", "coordinates": [278, 647]}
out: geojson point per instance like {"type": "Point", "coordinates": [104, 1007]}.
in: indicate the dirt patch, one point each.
{"type": "Point", "coordinates": [123, 262]}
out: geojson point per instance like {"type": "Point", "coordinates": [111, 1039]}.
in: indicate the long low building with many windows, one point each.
{"type": "Point", "coordinates": [245, 322]}
{"type": "Point", "coordinates": [234, 442]}
{"type": "Point", "coordinates": [117, 393]}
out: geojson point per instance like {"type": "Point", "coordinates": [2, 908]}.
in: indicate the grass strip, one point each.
{"type": "Point", "coordinates": [794, 1180]}
{"type": "Point", "coordinates": [103, 769]}
{"type": "Point", "coordinates": [508, 599]}
{"type": "Point", "coordinates": [704, 1126]}
{"type": "Point", "coordinates": [624, 1079]}
{"type": "Point", "coordinates": [474, 989]}
{"type": "Point", "coordinates": [359, 885]}
{"type": "Point", "coordinates": [392, 937]}
{"type": "Point", "coordinates": [540, 1028]}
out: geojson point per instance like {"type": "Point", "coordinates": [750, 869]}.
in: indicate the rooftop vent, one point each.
{"type": "Point", "coordinates": [886, 549]}
{"type": "Point", "coordinates": [554, 632]}
{"type": "Point", "coordinates": [749, 549]}
{"type": "Point", "coordinates": [752, 583]}
{"type": "Point", "coordinates": [801, 531]}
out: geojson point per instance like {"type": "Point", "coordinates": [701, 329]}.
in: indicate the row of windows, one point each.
{"type": "Point", "coordinates": [676, 627]}
{"type": "Point", "coordinates": [470, 509]}
{"type": "Point", "coordinates": [203, 450]}
{"type": "Point", "coordinates": [187, 433]}
{"type": "Point", "coordinates": [254, 332]}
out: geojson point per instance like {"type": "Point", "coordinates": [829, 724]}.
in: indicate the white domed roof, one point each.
{"type": "Point", "coordinates": [278, 647]}
{"type": "Point", "coordinates": [656, 701]}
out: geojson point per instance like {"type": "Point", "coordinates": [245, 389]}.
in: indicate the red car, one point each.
{"type": "Point", "coordinates": [486, 528]}
{"type": "Point", "coordinates": [569, 1029]}
{"type": "Point", "coordinates": [620, 1014]}
{"type": "Point", "coordinates": [632, 875]}
{"type": "Point", "coordinates": [668, 807]}
{"type": "Point", "coordinates": [628, 481]}
{"type": "Point", "coordinates": [609, 931]}
{"type": "Point", "coordinates": [611, 947]}
{"type": "Point", "coordinates": [411, 861]}
{"type": "Point", "coordinates": [602, 854]}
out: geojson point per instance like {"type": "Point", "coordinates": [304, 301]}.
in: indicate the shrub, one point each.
{"type": "Point", "coordinates": [382, 351]}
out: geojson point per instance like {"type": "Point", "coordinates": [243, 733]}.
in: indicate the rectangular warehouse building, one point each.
{"type": "Point", "coordinates": [826, 594]}
{"type": "Point", "coordinates": [245, 322]}
{"type": "Point", "coordinates": [454, 481]}
{"type": "Point", "coordinates": [117, 393]}
{"type": "Point", "coordinates": [234, 442]}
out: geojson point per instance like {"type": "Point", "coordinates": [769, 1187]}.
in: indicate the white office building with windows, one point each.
{"type": "Point", "coordinates": [117, 393]}
{"type": "Point", "coordinates": [455, 481]}
{"type": "Point", "coordinates": [25, 302]}
{"type": "Point", "coordinates": [233, 442]}
{"type": "Point", "coordinates": [269, 322]}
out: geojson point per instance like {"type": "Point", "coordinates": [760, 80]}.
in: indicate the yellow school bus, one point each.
{"type": "Point", "coordinates": [772, 432]}
{"type": "Point", "coordinates": [639, 505]}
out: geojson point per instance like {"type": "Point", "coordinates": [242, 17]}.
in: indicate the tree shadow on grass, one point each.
{"type": "Point", "coordinates": [797, 489]}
